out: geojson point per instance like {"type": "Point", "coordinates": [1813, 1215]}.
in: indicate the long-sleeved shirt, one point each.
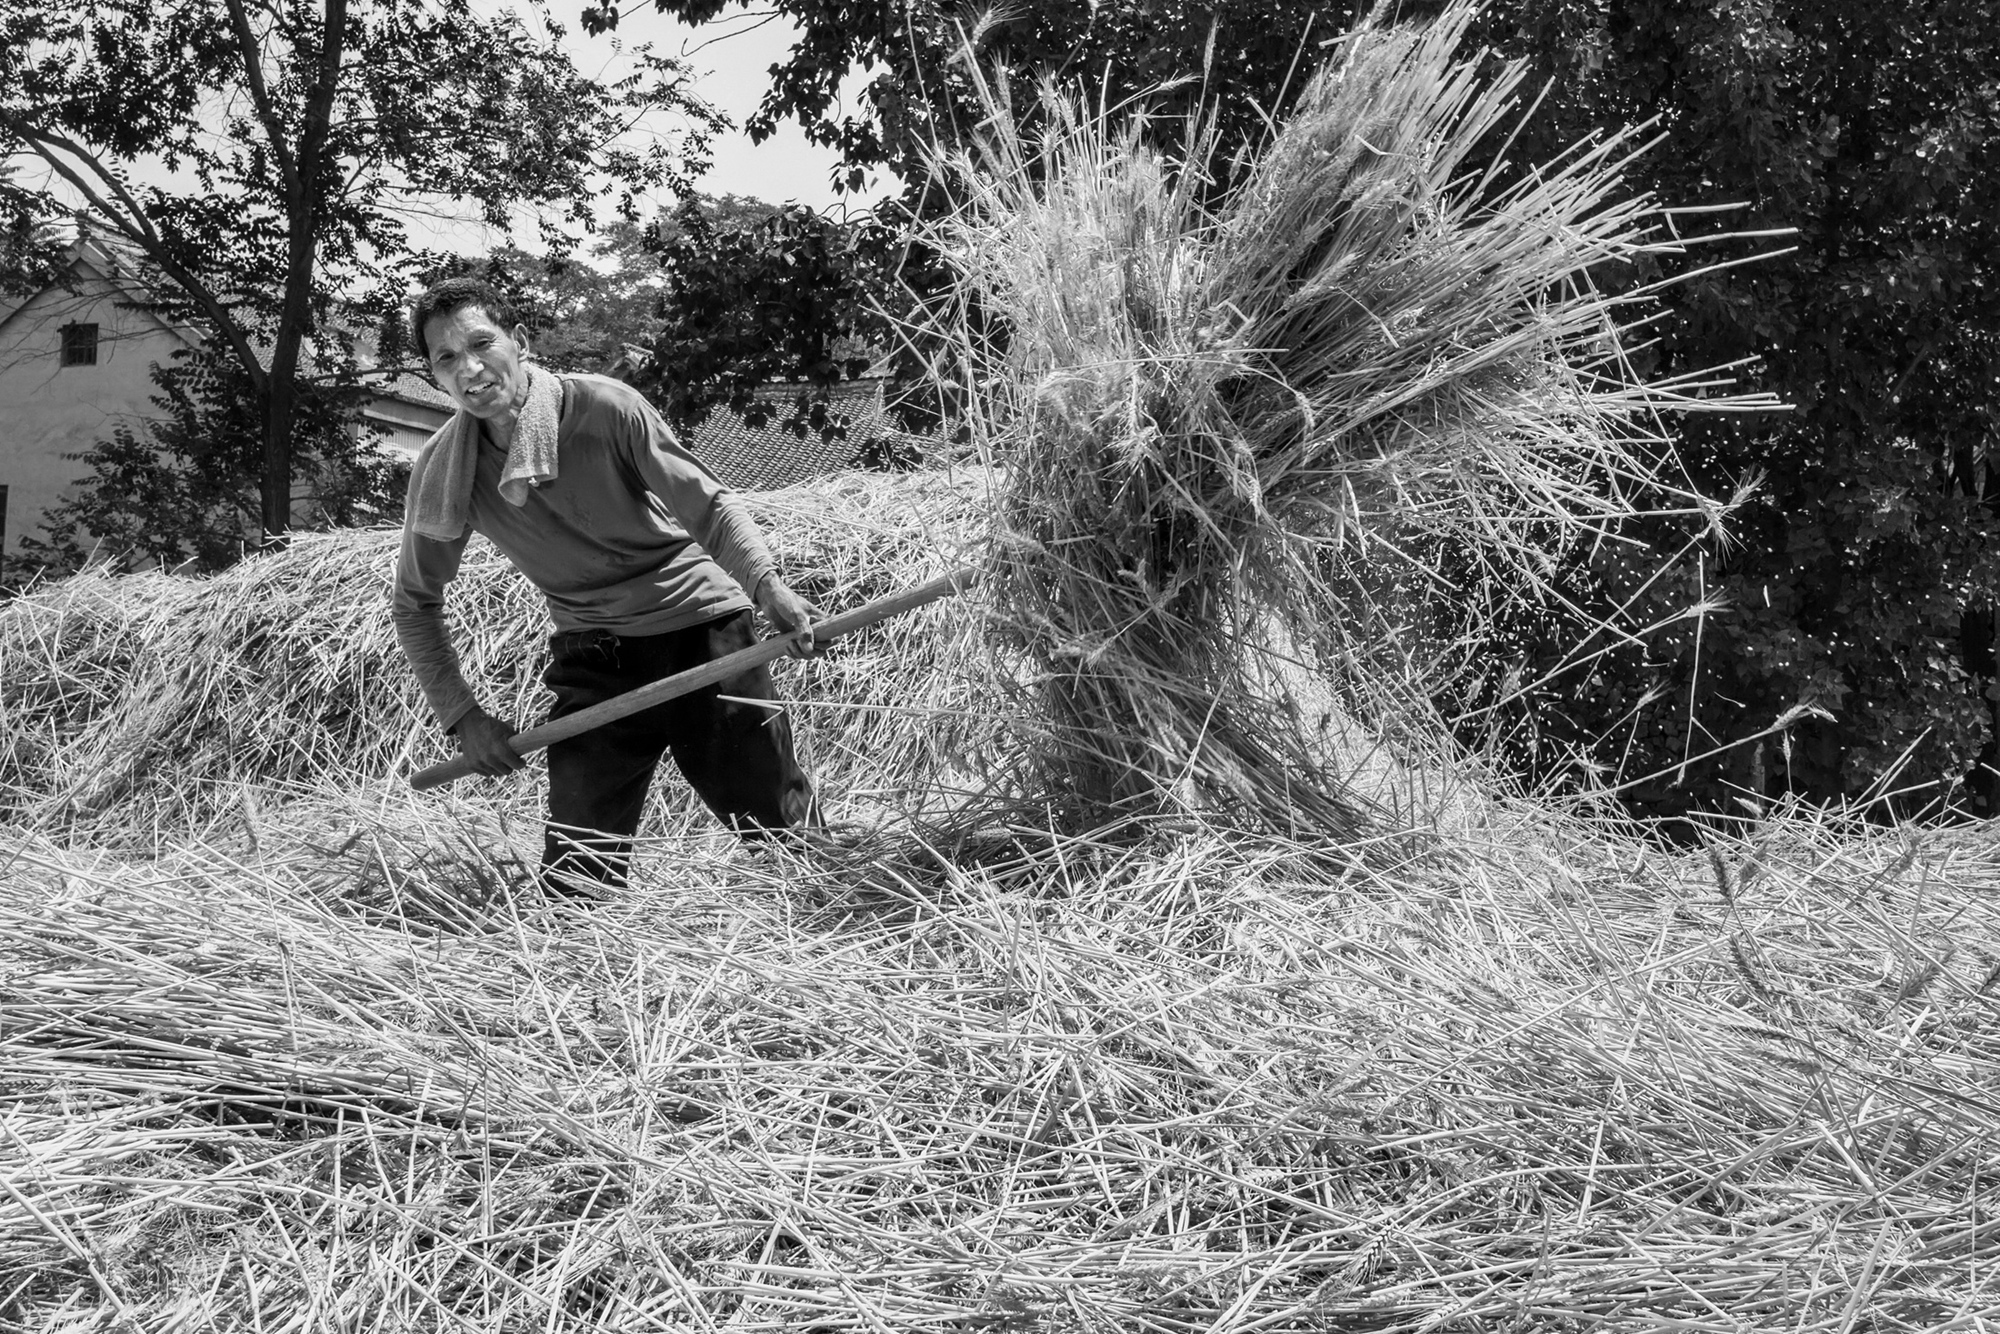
{"type": "Point", "coordinates": [633, 535]}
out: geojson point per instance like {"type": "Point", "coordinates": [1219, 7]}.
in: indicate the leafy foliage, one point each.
{"type": "Point", "coordinates": [709, 304]}
{"type": "Point", "coordinates": [1242, 60]}
{"type": "Point", "coordinates": [30, 249]}
{"type": "Point", "coordinates": [295, 138]}
{"type": "Point", "coordinates": [1843, 599]}
{"type": "Point", "coordinates": [919, 102]}
{"type": "Point", "coordinates": [752, 296]}
{"type": "Point", "coordinates": [583, 310]}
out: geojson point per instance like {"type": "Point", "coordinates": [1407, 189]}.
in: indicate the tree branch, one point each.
{"type": "Point", "coordinates": [134, 226]}
{"type": "Point", "coordinates": [362, 166]}
{"type": "Point", "coordinates": [42, 141]}
{"type": "Point", "coordinates": [260, 95]}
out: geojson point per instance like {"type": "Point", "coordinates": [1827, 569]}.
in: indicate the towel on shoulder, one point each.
{"type": "Point", "coordinates": [440, 503]}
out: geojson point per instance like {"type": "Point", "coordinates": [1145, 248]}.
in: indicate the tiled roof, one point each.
{"type": "Point", "coordinates": [409, 387]}
{"type": "Point", "coordinates": [764, 458]}
{"type": "Point", "coordinates": [769, 457]}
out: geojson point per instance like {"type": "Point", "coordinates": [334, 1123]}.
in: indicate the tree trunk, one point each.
{"type": "Point", "coordinates": [1976, 638]}
{"type": "Point", "coordinates": [304, 208]}
{"type": "Point", "coordinates": [280, 408]}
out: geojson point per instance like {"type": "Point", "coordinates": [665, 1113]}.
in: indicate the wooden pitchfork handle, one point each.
{"type": "Point", "coordinates": [683, 683]}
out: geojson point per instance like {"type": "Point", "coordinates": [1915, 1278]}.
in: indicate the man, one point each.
{"type": "Point", "coordinates": [644, 560]}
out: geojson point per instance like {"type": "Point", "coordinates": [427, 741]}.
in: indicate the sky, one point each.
{"type": "Point", "coordinates": [731, 59]}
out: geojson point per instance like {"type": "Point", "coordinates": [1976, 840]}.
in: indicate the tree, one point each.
{"type": "Point", "coordinates": [753, 295]}
{"type": "Point", "coordinates": [920, 94]}
{"type": "Point", "coordinates": [292, 138]}
{"type": "Point", "coordinates": [176, 493]}
{"type": "Point", "coordinates": [30, 249]}
{"type": "Point", "coordinates": [1858, 584]}
{"type": "Point", "coordinates": [723, 296]}
{"type": "Point", "coordinates": [582, 309]}
{"type": "Point", "coordinates": [587, 311]}
{"type": "Point", "coordinates": [1241, 60]}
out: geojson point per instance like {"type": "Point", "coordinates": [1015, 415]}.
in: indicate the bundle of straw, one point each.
{"type": "Point", "coordinates": [1237, 434]}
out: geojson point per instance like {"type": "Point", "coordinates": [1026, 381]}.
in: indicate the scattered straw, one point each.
{"type": "Point", "coordinates": [368, 1079]}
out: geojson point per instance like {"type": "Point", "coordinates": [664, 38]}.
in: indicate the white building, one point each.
{"type": "Point", "coordinates": [74, 366]}
{"type": "Point", "coordinates": [407, 409]}
{"type": "Point", "coordinates": [76, 363]}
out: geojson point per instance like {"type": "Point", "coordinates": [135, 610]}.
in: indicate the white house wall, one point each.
{"type": "Point", "coordinates": [49, 410]}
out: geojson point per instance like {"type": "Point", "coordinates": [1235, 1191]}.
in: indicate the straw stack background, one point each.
{"type": "Point", "coordinates": [135, 706]}
{"type": "Point", "coordinates": [284, 1046]}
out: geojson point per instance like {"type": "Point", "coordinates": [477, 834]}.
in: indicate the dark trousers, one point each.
{"type": "Point", "coordinates": [738, 757]}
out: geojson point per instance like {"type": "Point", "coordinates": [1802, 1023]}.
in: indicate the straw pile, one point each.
{"type": "Point", "coordinates": [1328, 426]}
{"type": "Point", "coordinates": [332, 1062]}
{"type": "Point", "coordinates": [360, 1077]}
{"type": "Point", "coordinates": [136, 706]}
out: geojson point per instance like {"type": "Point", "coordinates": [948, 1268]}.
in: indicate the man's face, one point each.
{"type": "Point", "coordinates": [477, 362]}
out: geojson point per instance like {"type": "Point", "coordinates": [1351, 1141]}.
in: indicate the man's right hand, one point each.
{"type": "Point", "coordinates": [483, 738]}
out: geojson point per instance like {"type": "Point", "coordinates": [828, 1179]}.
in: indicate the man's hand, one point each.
{"type": "Point", "coordinates": [484, 739]}
{"type": "Point", "coordinates": [788, 612]}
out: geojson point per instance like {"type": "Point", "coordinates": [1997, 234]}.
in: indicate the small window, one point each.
{"type": "Point", "coordinates": [79, 345]}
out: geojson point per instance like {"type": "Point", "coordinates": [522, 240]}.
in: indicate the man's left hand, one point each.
{"type": "Point", "coordinates": [788, 612]}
